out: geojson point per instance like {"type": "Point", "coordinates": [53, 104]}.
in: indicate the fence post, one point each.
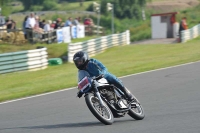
{"type": "Point", "coordinates": [69, 53]}
{"type": "Point", "coordinates": [199, 29]}
{"type": "Point", "coordinates": [183, 34]}
{"type": "Point", "coordinates": [128, 37]}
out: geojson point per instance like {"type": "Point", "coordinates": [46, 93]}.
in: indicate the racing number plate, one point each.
{"type": "Point", "coordinates": [84, 83]}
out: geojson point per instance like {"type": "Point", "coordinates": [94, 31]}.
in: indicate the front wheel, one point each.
{"type": "Point", "coordinates": [103, 114]}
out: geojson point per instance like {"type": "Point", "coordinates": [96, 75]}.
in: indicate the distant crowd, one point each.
{"type": "Point", "coordinates": [34, 23]}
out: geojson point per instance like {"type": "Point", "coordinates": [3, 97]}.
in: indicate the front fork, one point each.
{"type": "Point", "coordinates": [96, 91]}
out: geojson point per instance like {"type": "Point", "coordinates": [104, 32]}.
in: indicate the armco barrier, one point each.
{"type": "Point", "coordinates": [190, 33]}
{"type": "Point", "coordinates": [24, 60]}
{"type": "Point", "coordinates": [98, 45]}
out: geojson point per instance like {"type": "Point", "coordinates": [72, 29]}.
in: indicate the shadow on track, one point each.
{"type": "Point", "coordinates": [70, 125]}
{"type": "Point", "coordinates": [67, 125]}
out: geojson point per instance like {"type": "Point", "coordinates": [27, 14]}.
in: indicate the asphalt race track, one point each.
{"type": "Point", "coordinates": [170, 97]}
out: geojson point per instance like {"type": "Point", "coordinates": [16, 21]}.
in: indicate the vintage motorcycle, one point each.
{"type": "Point", "coordinates": [106, 101]}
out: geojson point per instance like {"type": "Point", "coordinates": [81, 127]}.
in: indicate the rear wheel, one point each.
{"type": "Point", "coordinates": [136, 111]}
{"type": "Point", "coordinates": [103, 114]}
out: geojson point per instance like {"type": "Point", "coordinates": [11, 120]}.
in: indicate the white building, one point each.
{"type": "Point", "coordinates": [164, 25]}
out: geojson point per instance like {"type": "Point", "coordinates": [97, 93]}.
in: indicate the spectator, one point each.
{"type": "Point", "coordinates": [42, 23]}
{"type": "Point", "coordinates": [91, 22]}
{"type": "Point", "coordinates": [69, 22]}
{"type": "Point", "coordinates": [75, 22]}
{"type": "Point", "coordinates": [62, 24]}
{"type": "Point", "coordinates": [183, 26]}
{"type": "Point", "coordinates": [53, 24]}
{"type": "Point", "coordinates": [47, 27]}
{"type": "Point", "coordinates": [10, 24]}
{"type": "Point", "coordinates": [86, 21]}
{"type": "Point", "coordinates": [24, 26]}
{"type": "Point", "coordinates": [79, 19]}
{"type": "Point", "coordinates": [13, 24]}
{"type": "Point", "coordinates": [173, 19]}
{"type": "Point", "coordinates": [58, 23]}
{"type": "Point", "coordinates": [36, 28]}
{"type": "Point", "coordinates": [30, 24]}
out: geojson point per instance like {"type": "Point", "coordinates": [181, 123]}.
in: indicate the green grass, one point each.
{"type": "Point", "coordinates": [74, 6]}
{"type": "Point", "coordinates": [120, 60]}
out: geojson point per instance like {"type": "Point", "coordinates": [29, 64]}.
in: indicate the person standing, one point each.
{"type": "Point", "coordinates": [30, 24]}
{"type": "Point", "coordinates": [183, 26]}
{"type": "Point", "coordinates": [75, 22]}
{"type": "Point", "coordinates": [9, 24]}
{"type": "Point", "coordinates": [47, 26]}
{"type": "Point", "coordinates": [42, 23]}
{"type": "Point", "coordinates": [69, 22]}
{"type": "Point", "coordinates": [58, 23]}
{"type": "Point", "coordinates": [24, 26]}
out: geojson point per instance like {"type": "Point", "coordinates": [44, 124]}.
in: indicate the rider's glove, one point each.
{"type": "Point", "coordinates": [79, 94]}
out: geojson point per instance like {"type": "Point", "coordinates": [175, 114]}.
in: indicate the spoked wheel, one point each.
{"type": "Point", "coordinates": [103, 114]}
{"type": "Point", "coordinates": [136, 111]}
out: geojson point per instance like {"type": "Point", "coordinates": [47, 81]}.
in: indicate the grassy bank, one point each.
{"type": "Point", "coordinates": [120, 60]}
{"type": "Point", "coordinates": [54, 50]}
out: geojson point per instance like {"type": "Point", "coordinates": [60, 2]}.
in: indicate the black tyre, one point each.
{"type": "Point", "coordinates": [103, 114]}
{"type": "Point", "coordinates": [136, 111]}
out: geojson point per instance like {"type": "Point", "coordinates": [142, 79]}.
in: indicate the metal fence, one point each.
{"type": "Point", "coordinates": [41, 37]}
{"type": "Point", "coordinates": [98, 45]}
{"type": "Point", "coordinates": [23, 60]}
{"type": "Point", "coordinates": [17, 36]}
{"type": "Point", "coordinates": [93, 30]}
{"type": "Point", "coordinates": [190, 33]}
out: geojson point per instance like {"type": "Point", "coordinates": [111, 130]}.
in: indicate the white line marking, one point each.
{"type": "Point", "coordinates": [37, 95]}
{"type": "Point", "coordinates": [75, 87]}
{"type": "Point", "coordinates": [159, 69]}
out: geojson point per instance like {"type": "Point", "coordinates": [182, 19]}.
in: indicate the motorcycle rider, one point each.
{"type": "Point", "coordinates": [96, 68]}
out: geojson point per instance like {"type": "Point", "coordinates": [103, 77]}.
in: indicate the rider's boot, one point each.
{"type": "Point", "coordinates": [128, 94]}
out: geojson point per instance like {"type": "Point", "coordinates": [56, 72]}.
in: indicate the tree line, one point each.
{"type": "Point", "coordinates": [122, 8]}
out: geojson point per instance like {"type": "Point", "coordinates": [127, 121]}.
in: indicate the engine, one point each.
{"type": "Point", "coordinates": [114, 99]}
{"type": "Point", "coordinates": [108, 94]}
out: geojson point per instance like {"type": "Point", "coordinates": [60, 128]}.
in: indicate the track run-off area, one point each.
{"type": "Point", "coordinates": [170, 97]}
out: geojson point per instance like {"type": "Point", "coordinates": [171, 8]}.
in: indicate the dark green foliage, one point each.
{"type": "Point", "coordinates": [36, 8]}
{"type": "Point", "coordinates": [90, 8]}
{"type": "Point", "coordinates": [124, 8]}
{"type": "Point", "coordinates": [4, 2]}
{"type": "Point", "coordinates": [48, 4]}
{"type": "Point", "coordinates": [192, 16]}
{"type": "Point", "coordinates": [5, 11]}
{"type": "Point", "coordinates": [28, 3]}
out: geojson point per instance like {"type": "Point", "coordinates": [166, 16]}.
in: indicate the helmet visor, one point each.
{"type": "Point", "coordinates": [78, 61]}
